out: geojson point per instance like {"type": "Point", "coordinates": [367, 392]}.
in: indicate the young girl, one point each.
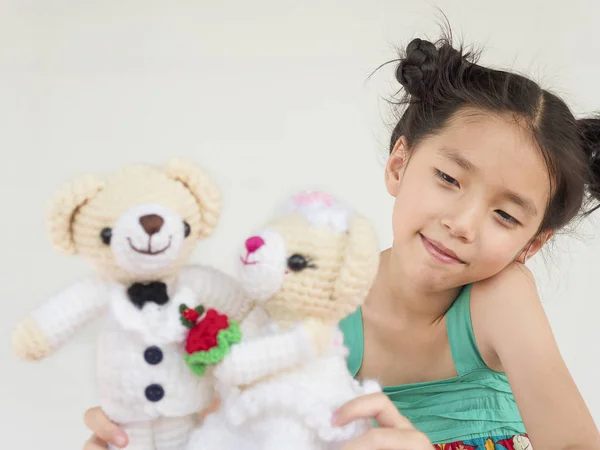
{"type": "Point", "coordinates": [485, 167]}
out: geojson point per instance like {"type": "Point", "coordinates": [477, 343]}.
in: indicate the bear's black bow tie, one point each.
{"type": "Point", "coordinates": [140, 294]}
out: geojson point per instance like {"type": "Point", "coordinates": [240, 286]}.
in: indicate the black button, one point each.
{"type": "Point", "coordinates": [155, 392]}
{"type": "Point", "coordinates": [153, 355]}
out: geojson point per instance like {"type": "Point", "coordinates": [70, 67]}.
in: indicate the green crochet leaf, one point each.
{"type": "Point", "coordinates": [185, 322]}
{"type": "Point", "coordinates": [199, 361]}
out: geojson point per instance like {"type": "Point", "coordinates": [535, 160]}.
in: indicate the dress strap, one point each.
{"type": "Point", "coordinates": [352, 328]}
{"type": "Point", "coordinates": [464, 349]}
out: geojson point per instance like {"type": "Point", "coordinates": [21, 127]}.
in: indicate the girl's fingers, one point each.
{"type": "Point", "coordinates": [395, 431]}
{"type": "Point", "coordinates": [372, 406]}
{"type": "Point", "coordinates": [390, 439]}
{"type": "Point", "coordinates": [104, 429]}
{"type": "Point", "coordinates": [95, 443]}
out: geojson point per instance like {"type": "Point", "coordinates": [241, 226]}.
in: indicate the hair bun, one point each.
{"type": "Point", "coordinates": [418, 68]}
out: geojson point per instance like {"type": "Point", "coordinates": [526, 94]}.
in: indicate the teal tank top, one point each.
{"type": "Point", "coordinates": [478, 403]}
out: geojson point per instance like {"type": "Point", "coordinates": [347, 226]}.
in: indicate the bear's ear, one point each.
{"type": "Point", "coordinates": [361, 262]}
{"type": "Point", "coordinates": [204, 190]}
{"type": "Point", "coordinates": [63, 207]}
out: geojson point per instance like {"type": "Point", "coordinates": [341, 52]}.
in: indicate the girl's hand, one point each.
{"type": "Point", "coordinates": [104, 431]}
{"type": "Point", "coordinates": [107, 432]}
{"type": "Point", "coordinates": [395, 431]}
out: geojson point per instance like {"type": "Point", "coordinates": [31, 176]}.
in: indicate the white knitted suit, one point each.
{"type": "Point", "coordinates": [281, 385]}
{"type": "Point", "coordinates": [137, 228]}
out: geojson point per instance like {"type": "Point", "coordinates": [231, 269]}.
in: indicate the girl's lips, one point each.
{"type": "Point", "coordinates": [440, 252]}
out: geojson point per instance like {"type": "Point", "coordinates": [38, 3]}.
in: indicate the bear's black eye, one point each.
{"type": "Point", "coordinates": [106, 235]}
{"type": "Point", "coordinates": [298, 262]}
{"type": "Point", "coordinates": [186, 229]}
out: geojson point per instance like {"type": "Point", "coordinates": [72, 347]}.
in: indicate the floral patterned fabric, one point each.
{"type": "Point", "coordinates": [520, 442]}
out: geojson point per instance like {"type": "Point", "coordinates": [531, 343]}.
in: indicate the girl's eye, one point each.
{"type": "Point", "coordinates": [507, 218]}
{"type": "Point", "coordinates": [446, 178]}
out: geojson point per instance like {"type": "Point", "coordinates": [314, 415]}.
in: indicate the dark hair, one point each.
{"type": "Point", "coordinates": [439, 81]}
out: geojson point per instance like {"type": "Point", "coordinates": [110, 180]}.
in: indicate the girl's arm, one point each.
{"type": "Point", "coordinates": [514, 336]}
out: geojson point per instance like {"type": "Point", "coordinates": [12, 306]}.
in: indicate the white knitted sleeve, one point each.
{"type": "Point", "coordinates": [263, 356]}
{"type": "Point", "coordinates": [70, 310]}
{"type": "Point", "coordinates": [216, 289]}
{"type": "Point", "coordinates": [254, 322]}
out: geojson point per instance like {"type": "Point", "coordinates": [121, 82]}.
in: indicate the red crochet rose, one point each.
{"type": "Point", "coordinates": [203, 336]}
{"type": "Point", "coordinates": [209, 338]}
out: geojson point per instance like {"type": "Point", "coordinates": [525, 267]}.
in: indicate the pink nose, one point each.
{"type": "Point", "coordinates": [254, 243]}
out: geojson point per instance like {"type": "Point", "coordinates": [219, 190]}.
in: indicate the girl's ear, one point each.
{"type": "Point", "coordinates": [395, 165]}
{"type": "Point", "coordinates": [534, 246]}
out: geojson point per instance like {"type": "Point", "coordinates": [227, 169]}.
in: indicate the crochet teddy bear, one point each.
{"type": "Point", "coordinates": [137, 228]}
{"type": "Point", "coordinates": [308, 268]}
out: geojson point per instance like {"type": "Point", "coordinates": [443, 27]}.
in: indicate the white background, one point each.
{"type": "Point", "coordinates": [270, 97]}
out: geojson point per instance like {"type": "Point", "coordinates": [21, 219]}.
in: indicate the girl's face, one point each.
{"type": "Point", "coordinates": [468, 201]}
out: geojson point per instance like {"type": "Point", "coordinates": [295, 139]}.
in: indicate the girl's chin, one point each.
{"type": "Point", "coordinates": [431, 277]}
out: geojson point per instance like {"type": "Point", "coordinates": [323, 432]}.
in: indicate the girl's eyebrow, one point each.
{"type": "Point", "coordinates": [521, 201]}
{"type": "Point", "coordinates": [454, 155]}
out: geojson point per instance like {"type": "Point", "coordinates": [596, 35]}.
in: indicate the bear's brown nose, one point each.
{"type": "Point", "coordinates": [152, 223]}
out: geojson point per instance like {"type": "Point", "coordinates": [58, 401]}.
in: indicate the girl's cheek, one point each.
{"type": "Point", "coordinates": [498, 249]}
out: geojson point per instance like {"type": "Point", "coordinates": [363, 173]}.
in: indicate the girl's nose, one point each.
{"type": "Point", "coordinates": [463, 223]}
{"type": "Point", "coordinates": [254, 243]}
